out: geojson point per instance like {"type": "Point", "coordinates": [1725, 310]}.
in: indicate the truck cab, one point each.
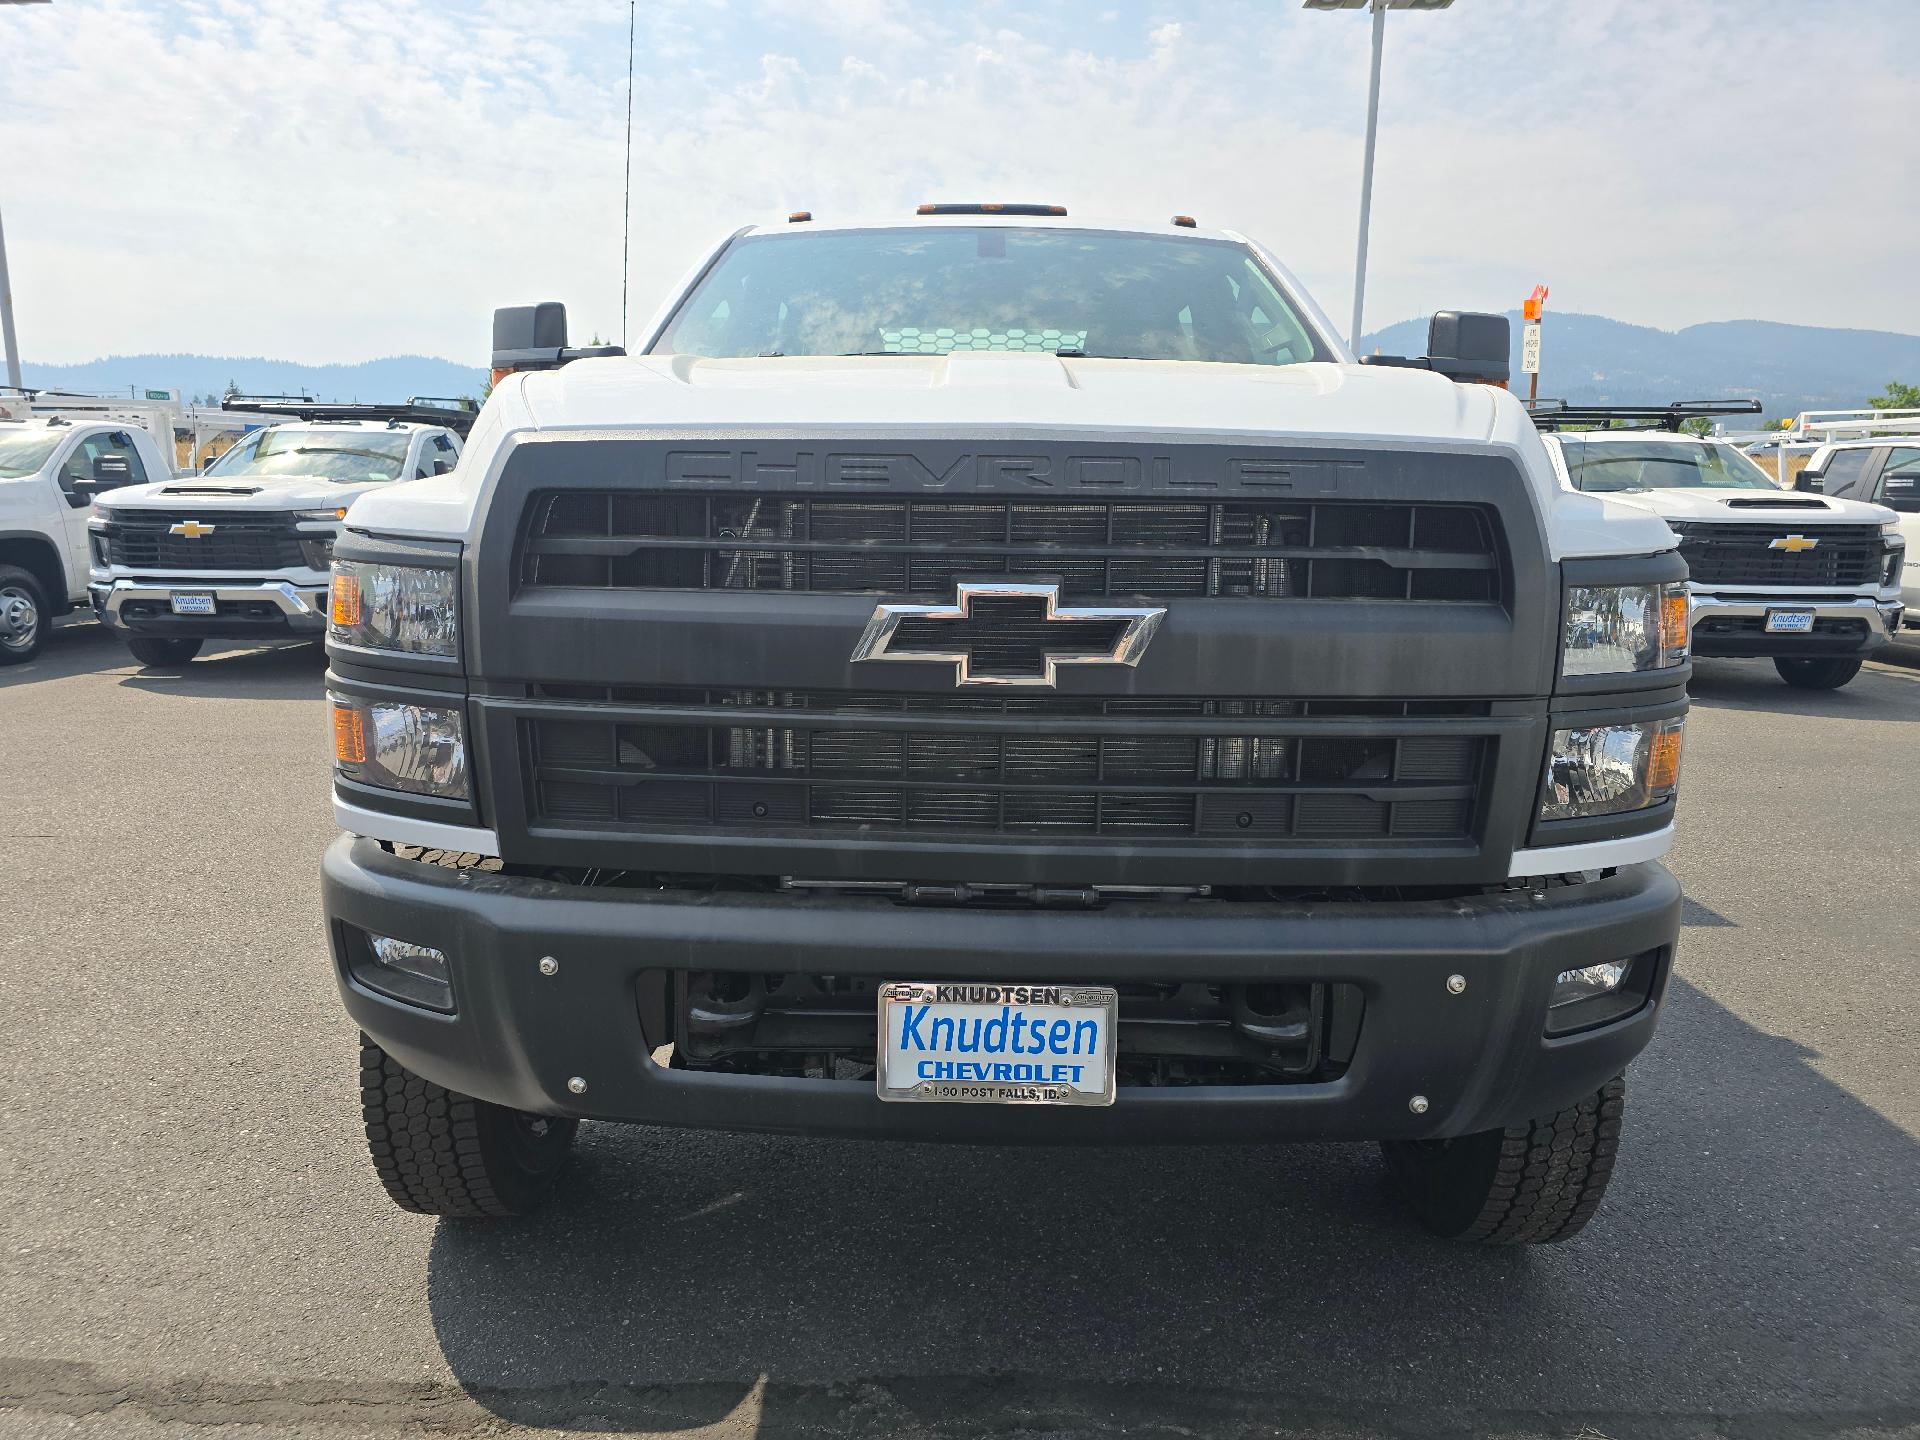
{"type": "Point", "coordinates": [242, 550]}
{"type": "Point", "coordinates": [1882, 471]}
{"type": "Point", "coordinates": [52, 470]}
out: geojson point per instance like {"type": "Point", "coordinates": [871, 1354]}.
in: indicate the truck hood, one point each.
{"type": "Point", "coordinates": [1005, 392]}
{"type": "Point", "coordinates": [239, 492]}
{"type": "Point", "coordinates": [1752, 507]}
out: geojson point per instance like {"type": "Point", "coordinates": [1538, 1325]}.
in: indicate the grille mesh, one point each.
{"type": "Point", "coordinates": [1034, 767]}
{"type": "Point", "coordinates": [251, 542]}
{"type": "Point", "coordinates": [1743, 555]}
{"type": "Point", "coordinates": [1252, 549]}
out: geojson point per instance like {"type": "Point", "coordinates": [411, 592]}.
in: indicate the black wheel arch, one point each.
{"type": "Point", "coordinates": [34, 553]}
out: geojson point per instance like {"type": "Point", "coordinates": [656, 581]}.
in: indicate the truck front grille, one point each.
{"type": "Point", "coordinates": [252, 542]}
{"type": "Point", "coordinates": [882, 545]}
{"type": "Point", "coordinates": [1275, 771]}
{"type": "Point", "coordinates": [1744, 555]}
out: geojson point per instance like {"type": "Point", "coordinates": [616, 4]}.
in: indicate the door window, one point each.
{"type": "Point", "coordinates": [1846, 473]}
{"type": "Point", "coordinates": [1900, 481]}
{"type": "Point", "coordinates": [108, 455]}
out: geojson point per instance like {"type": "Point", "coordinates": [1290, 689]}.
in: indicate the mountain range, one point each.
{"type": "Point", "coordinates": [1787, 368]}
{"type": "Point", "coordinates": [1587, 358]}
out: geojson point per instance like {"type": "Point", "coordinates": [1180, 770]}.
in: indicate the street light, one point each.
{"type": "Point", "coordinates": [1379, 8]}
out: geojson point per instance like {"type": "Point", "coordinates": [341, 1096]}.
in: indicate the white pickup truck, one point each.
{"type": "Point", "coordinates": [1809, 582]}
{"type": "Point", "coordinates": [51, 472]}
{"type": "Point", "coordinates": [242, 551]}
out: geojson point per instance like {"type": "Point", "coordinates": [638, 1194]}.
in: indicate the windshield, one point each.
{"type": "Point", "coordinates": [1612, 465]}
{"type": "Point", "coordinates": [347, 456]}
{"type": "Point", "coordinates": [25, 451]}
{"type": "Point", "coordinates": [933, 291]}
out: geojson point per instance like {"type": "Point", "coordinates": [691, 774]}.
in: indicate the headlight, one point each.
{"type": "Point", "coordinates": [417, 748]}
{"type": "Point", "coordinates": [338, 512]}
{"type": "Point", "coordinates": [1890, 533]}
{"type": "Point", "coordinates": [317, 551]}
{"type": "Point", "coordinates": [407, 609]}
{"type": "Point", "coordinates": [1611, 769]}
{"type": "Point", "coordinates": [1621, 629]}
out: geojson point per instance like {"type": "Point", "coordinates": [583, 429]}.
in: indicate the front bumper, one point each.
{"type": "Point", "coordinates": [249, 608]}
{"type": "Point", "coordinates": [1731, 626]}
{"type": "Point", "coordinates": [1481, 1058]}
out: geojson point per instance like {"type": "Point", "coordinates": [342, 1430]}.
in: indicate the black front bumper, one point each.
{"type": "Point", "coordinates": [1480, 1058]}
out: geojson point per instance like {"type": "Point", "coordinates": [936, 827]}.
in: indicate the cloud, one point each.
{"type": "Point", "coordinates": [372, 176]}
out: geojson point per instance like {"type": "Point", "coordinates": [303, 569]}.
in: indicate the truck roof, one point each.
{"type": "Point", "coordinates": [973, 220]}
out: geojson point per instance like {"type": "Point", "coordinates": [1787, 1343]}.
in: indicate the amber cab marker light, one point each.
{"type": "Point", "coordinates": [1185, 222]}
{"type": "Point", "coordinates": [1663, 765]}
{"type": "Point", "coordinates": [799, 217]}
{"type": "Point", "coordinates": [345, 608]}
{"type": "Point", "coordinates": [1673, 622]}
{"type": "Point", "coordinates": [349, 736]}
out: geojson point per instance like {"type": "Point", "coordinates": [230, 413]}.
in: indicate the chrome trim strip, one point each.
{"type": "Point", "coordinates": [1127, 649]}
{"type": "Point", "coordinates": [405, 830]}
{"type": "Point", "coordinates": [1595, 855]}
{"type": "Point", "coordinates": [307, 604]}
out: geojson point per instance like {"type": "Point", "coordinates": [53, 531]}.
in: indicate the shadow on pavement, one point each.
{"type": "Point", "coordinates": [83, 647]}
{"type": "Point", "coordinates": [1876, 693]}
{"type": "Point", "coordinates": [1756, 1257]}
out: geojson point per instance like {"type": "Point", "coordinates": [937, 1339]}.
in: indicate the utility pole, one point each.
{"type": "Point", "coordinates": [7, 338]}
{"type": "Point", "coordinates": [1366, 174]}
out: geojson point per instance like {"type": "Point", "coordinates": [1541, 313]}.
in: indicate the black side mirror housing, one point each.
{"type": "Point", "coordinates": [534, 337]}
{"type": "Point", "coordinates": [111, 471]}
{"type": "Point", "coordinates": [1471, 345]}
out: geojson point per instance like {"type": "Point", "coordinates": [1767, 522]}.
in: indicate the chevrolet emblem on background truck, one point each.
{"type": "Point", "coordinates": [1794, 544]}
{"type": "Point", "coordinates": [192, 529]}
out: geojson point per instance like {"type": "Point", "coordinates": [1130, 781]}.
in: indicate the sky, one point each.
{"type": "Point", "coordinates": [336, 180]}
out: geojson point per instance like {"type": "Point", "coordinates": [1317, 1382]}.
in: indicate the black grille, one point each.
{"type": "Point", "coordinates": [1254, 549]}
{"type": "Point", "coordinates": [1744, 555]}
{"type": "Point", "coordinates": [253, 542]}
{"type": "Point", "coordinates": [1246, 769]}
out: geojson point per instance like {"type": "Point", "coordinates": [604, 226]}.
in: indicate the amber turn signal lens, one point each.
{"type": "Point", "coordinates": [1673, 620]}
{"type": "Point", "coordinates": [349, 736]}
{"type": "Point", "coordinates": [346, 600]}
{"type": "Point", "coordinates": [1663, 764]}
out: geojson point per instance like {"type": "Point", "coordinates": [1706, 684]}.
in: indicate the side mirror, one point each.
{"type": "Point", "coordinates": [534, 337]}
{"type": "Point", "coordinates": [1471, 345]}
{"type": "Point", "coordinates": [1903, 494]}
{"type": "Point", "coordinates": [441, 467]}
{"type": "Point", "coordinates": [112, 471]}
{"type": "Point", "coordinates": [1811, 481]}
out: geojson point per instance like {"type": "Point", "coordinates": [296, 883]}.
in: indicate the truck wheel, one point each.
{"type": "Point", "coordinates": [1528, 1184]}
{"type": "Point", "coordinates": [442, 1153]}
{"type": "Point", "coordinates": [23, 616]}
{"type": "Point", "coordinates": [152, 650]}
{"type": "Point", "coordinates": [1816, 674]}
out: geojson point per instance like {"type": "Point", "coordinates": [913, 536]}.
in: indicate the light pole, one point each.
{"type": "Point", "coordinates": [7, 340]}
{"type": "Point", "coordinates": [1379, 8]}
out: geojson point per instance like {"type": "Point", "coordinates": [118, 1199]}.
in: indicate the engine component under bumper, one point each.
{"type": "Point", "coordinates": [561, 999]}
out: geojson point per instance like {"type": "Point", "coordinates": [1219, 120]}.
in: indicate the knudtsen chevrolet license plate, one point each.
{"type": "Point", "coordinates": [997, 1044]}
{"type": "Point", "coordinates": [1789, 622]}
{"type": "Point", "coordinates": [192, 602]}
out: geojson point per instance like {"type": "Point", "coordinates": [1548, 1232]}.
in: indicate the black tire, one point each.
{"type": "Point", "coordinates": [1528, 1184]}
{"type": "Point", "coordinates": [161, 653]}
{"type": "Point", "coordinates": [1816, 674]}
{"type": "Point", "coordinates": [24, 616]}
{"type": "Point", "coordinates": [442, 1153]}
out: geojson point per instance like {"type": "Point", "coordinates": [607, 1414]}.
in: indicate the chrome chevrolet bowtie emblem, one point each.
{"type": "Point", "coordinates": [1008, 634]}
{"type": "Point", "coordinates": [192, 529]}
{"type": "Point", "coordinates": [1794, 544]}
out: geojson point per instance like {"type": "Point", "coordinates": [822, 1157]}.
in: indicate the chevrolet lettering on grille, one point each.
{"type": "Point", "coordinates": [998, 633]}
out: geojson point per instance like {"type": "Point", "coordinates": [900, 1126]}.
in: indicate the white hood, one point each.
{"type": "Point", "coordinates": [1753, 507]}
{"type": "Point", "coordinates": [236, 492]}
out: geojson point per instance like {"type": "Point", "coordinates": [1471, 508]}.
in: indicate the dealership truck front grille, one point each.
{"type": "Point", "coordinates": [1756, 555]}
{"type": "Point", "coordinates": [1222, 769]}
{"type": "Point", "coordinates": [251, 542]}
{"type": "Point", "coordinates": [1256, 549]}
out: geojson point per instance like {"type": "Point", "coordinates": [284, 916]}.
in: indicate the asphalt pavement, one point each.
{"type": "Point", "coordinates": [191, 1238]}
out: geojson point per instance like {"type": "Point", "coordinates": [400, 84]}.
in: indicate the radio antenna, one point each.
{"type": "Point", "coordinates": [626, 197]}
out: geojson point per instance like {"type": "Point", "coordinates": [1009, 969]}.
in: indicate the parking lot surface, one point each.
{"type": "Point", "coordinates": [191, 1237]}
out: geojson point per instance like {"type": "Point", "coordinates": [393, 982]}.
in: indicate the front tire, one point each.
{"type": "Point", "coordinates": [1816, 674]}
{"type": "Point", "coordinates": [439, 1152]}
{"type": "Point", "coordinates": [161, 653]}
{"type": "Point", "coordinates": [24, 616]}
{"type": "Point", "coordinates": [1530, 1184]}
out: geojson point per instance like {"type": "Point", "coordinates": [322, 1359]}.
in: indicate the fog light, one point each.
{"type": "Point", "coordinates": [1587, 982]}
{"type": "Point", "coordinates": [403, 970]}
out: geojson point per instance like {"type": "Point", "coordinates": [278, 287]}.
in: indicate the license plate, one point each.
{"type": "Point", "coordinates": [189, 603]}
{"type": "Point", "coordinates": [997, 1044]}
{"type": "Point", "coordinates": [1789, 622]}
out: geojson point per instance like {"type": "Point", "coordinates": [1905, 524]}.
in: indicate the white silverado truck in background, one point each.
{"type": "Point", "coordinates": [52, 470]}
{"type": "Point", "coordinates": [989, 676]}
{"type": "Point", "coordinates": [242, 551]}
{"type": "Point", "coordinates": [1812, 583]}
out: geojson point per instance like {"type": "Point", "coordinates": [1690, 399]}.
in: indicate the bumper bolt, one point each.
{"type": "Point", "coordinates": [549, 965]}
{"type": "Point", "coordinates": [579, 1087]}
{"type": "Point", "coordinates": [1456, 984]}
{"type": "Point", "coordinates": [1418, 1104]}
